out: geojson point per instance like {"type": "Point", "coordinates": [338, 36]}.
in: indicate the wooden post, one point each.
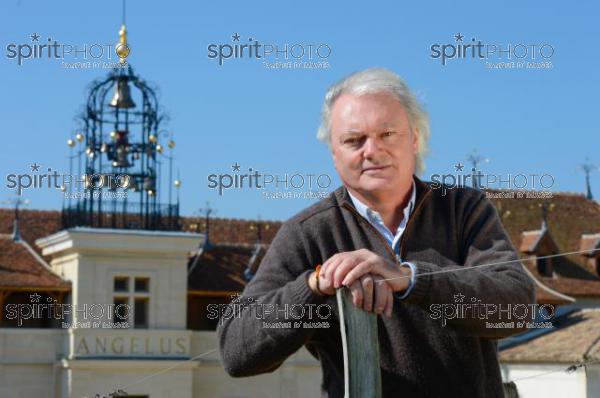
{"type": "Point", "coordinates": [362, 374]}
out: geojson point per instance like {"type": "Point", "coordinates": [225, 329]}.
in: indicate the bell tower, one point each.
{"type": "Point", "coordinates": [121, 156]}
{"type": "Point", "coordinates": [121, 247]}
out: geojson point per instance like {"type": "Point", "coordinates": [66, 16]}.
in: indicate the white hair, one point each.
{"type": "Point", "coordinates": [378, 80]}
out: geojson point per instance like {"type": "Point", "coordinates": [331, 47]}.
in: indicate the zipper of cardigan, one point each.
{"type": "Point", "coordinates": [377, 233]}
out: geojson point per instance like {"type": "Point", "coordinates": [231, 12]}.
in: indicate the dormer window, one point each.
{"type": "Point", "coordinates": [590, 250]}
{"type": "Point", "coordinates": [544, 266]}
{"type": "Point", "coordinates": [537, 245]}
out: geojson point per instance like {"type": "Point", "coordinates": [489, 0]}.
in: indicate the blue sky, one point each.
{"type": "Point", "coordinates": [529, 121]}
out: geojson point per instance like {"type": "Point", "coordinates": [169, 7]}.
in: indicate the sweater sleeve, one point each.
{"type": "Point", "coordinates": [486, 287]}
{"type": "Point", "coordinates": [248, 347]}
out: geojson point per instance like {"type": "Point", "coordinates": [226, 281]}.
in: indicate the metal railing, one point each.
{"type": "Point", "coordinates": [121, 215]}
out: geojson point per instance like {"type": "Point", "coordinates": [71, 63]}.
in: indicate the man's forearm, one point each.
{"type": "Point", "coordinates": [491, 275]}
{"type": "Point", "coordinates": [247, 347]}
{"type": "Point", "coordinates": [476, 296]}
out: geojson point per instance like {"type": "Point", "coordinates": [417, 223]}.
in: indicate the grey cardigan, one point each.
{"type": "Point", "coordinates": [420, 356]}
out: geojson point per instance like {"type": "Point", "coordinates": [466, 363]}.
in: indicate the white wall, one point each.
{"type": "Point", "coordinates": [27, 358]}
{"type": "Point", "coordinates": [34, 363]}
{"type": "Point", "coordinates": [534, 380]}
{"type": "Point", "coordinates": [299, 376]}
{"type": "Point", "coordinates": [91, 377]}
{"type": "Point", "coordinates": [593, 380]}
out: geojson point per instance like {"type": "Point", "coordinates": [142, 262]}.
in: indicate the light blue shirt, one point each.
{"type": "Point", "coordinates": [393, 239]}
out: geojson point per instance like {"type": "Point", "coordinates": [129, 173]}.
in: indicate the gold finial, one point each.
{"type": "Point", "coordinates": [122, 49]}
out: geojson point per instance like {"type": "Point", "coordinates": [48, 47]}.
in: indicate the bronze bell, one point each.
{"type": "Point", "coordinates": [122, 98]}
{"type": "Point", "coordinates": [121, 158]}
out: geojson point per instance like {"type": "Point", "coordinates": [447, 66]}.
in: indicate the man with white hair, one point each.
{"type": "Point", "coordinates": [394, 242]}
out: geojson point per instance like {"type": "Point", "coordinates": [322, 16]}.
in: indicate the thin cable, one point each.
{"type": "Point", "coordinates": [476, 267]}
{"type": "Point", "coordinates": [165, 370]}
{"type": "Point", "coordinates": [570, 369]}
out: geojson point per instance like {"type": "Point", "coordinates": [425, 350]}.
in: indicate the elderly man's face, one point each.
{"type": "Point", "coordinates": [373, 146]}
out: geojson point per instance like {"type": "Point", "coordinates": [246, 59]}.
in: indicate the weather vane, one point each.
{"type": "Point", "coordinates": [588, 168]}
{"type": "Point", "coordinates": [474, 158]}
{"type": "Point", "coordinates": [16, 202]}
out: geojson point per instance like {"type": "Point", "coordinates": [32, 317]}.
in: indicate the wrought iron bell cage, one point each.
{"type": "Point", "coordinates": [120, 157]}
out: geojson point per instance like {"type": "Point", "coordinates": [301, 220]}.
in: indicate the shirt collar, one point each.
{"type": "Point", "coordinates": [373, 216]}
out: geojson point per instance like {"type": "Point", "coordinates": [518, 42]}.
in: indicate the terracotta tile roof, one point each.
{"type": "Point", "coordinates": [232, 230]}
{"type": "Point", "coordinates": [576, 338]}
{"type": "Point", "coordinates": [221, 267]}
{"type": "Point", "coordinates": [37, 224]}
{"type": "Point", "coordinates": [571, 216]}
{"type": "Point", "coordinates": [544, 297]}
{"type": "Point", "coordinates": [574, 287]}
{"type": "Point", "coordinates": [21, 267]}
{"type": "Point", "coordinates": [33, 224]}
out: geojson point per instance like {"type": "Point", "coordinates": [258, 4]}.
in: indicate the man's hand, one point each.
{"type": "Point", "coordinates": [363, 271]}
{"type": "Point", "coordinates": [347, 267]}
{"type": "Point", "coordinates": [369, 292]}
